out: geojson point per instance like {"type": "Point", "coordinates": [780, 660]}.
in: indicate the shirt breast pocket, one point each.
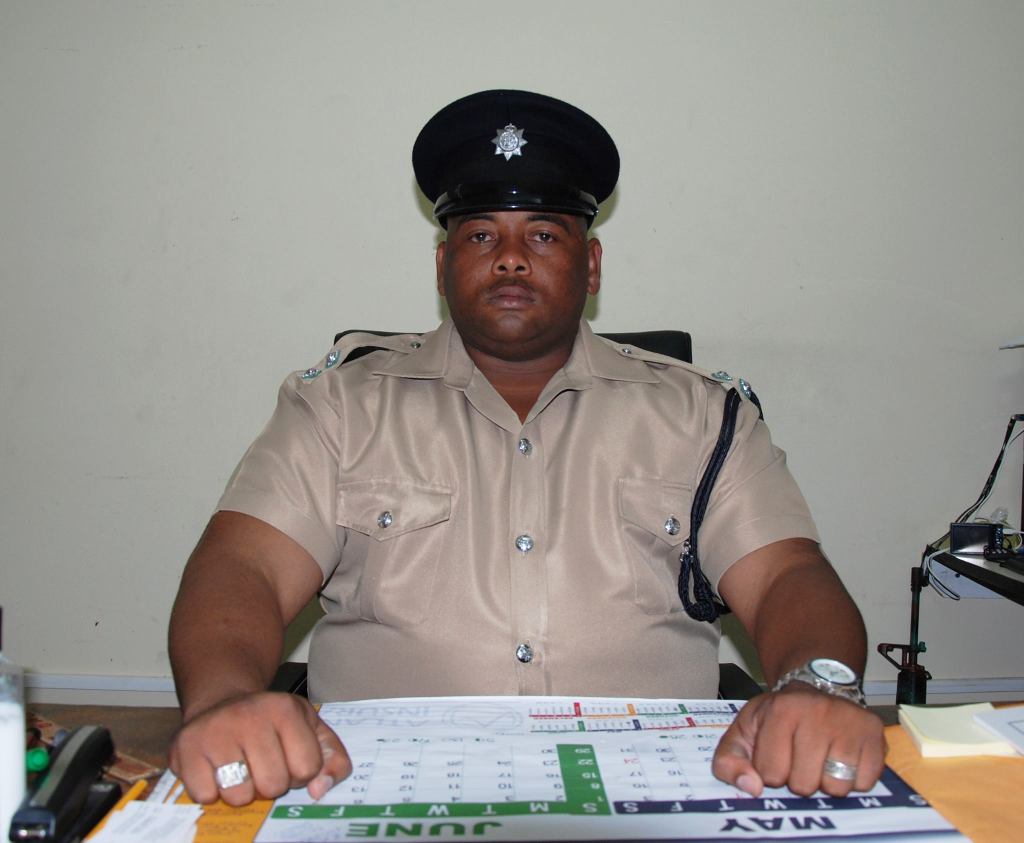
{"type": "Point", "coordinates": [405, 525]}
{"type": "Point", "coordinates": [655, 517]}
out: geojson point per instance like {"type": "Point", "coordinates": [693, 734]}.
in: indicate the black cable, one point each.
{"type": "Point", "coordinates": [986, 490]}
{"type": "Point", "coordinates": [706, 605]}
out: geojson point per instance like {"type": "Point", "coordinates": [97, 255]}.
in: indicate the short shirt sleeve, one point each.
{"type": "Point", "coordinates": [755, 501]}
{"type": "Point", "coordinates": [288, 478]}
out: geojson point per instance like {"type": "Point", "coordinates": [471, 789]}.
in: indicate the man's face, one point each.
{"type": "Point", "coordinates": [516, 281]}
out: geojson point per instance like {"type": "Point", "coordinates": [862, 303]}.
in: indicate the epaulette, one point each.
{"type": "Point", "coordinates": [722, 378]}
{"type": "Point", "coordinates": [351, 345]}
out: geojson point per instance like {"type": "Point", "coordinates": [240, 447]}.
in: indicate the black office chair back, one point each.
{"type": "Point", "coordinates": [675, 344]}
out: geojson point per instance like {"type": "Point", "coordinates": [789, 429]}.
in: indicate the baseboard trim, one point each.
{"type": "Point", "coordinates": [96, 689]}
{"type": "Point", "coordinates": [97, 682]}
{"type": "Point", "coordinates": [99, 689]}
{"type": "Point", "coordinates": [996, 689]}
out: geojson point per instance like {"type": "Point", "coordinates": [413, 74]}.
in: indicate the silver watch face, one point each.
{"type": "Point", "coordinates": [833, 671]}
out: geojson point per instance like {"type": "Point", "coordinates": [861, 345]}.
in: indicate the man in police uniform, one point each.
{"type": "Point", "coordinates": [501, 506]}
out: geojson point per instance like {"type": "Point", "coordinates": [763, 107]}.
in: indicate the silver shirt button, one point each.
{"type": "Point", "coordinates": [384, 519]}
{"type": "Point", "coordinates": [524, 652]}
{"type": "Point", "coordinates": [524, 543]}
{"type": "Point", "coordinates": [525, 447]}
{"type": "Point", "coordinates": [672, 526]}
{"type": "Point", "coordinates": [415, 344]}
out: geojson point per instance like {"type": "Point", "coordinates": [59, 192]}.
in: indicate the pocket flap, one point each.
{"type": "Point", "coordinates": [661, 509]}
{"type": "Point", "coordinates": [385, 509]}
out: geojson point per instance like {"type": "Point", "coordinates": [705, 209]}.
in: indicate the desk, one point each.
{"type": "Point", "coordinates": [980, 796]}
{"type": "Point", "coordinates": [992, 575]}
{"type": "Point", "coordinates": [146, 733]}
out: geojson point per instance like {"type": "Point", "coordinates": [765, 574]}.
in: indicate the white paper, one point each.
{"type": "Point", "coordinates": [153, 822]}
{"type": "Point", "coordinates": [558, 768]}
{"type": "Point", "coordinates": [1007, 723]}
{"type": "Point", "coordinates": [165, 786]}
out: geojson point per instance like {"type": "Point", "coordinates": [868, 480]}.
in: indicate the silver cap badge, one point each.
{"type": "Point", "coordinates": [509, 141]}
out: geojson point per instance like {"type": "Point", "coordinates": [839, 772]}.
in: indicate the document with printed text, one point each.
{"type": "Point", "coordinates": [558, 768]}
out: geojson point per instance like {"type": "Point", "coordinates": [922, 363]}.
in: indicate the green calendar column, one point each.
{"type": "Point", "coordinates": [584, 790]}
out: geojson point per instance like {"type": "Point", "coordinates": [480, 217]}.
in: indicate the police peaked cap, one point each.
{"type": "Point", "coordinates": [514, 150]}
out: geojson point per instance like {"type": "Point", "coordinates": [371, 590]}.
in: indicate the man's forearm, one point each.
{"type": "Point", "coordinates": [794, 607]}
{"type": "Point", "coordinates": [246, 581]}
{"type": "Point", "coordinates": [808, 613]}
{"type": "Point", "coordinates": [226, 636]}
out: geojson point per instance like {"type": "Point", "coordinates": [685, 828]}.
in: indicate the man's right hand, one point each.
{"type": "Point", "coordinates": [281, 739]}
{"type": "Point", "coordinates": [245, 582]}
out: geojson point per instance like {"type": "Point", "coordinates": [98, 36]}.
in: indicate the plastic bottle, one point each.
{"type": "Point", "coordinates": [12, 740]}
{"type": "Point", "coordinates": [999, 516]}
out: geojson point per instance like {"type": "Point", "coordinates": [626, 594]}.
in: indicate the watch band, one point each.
{"type": "Point", "coordinates": [816, 674]}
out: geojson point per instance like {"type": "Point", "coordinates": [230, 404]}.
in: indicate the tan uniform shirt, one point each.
{"type": "Point", "coordinates": [464, 552]}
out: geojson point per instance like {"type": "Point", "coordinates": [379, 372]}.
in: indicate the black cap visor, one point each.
{"type": "Point", "coordinates": [501, 196]}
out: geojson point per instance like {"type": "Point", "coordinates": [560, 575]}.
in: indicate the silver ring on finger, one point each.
{"type": "Point", "coordinates": [839, 770]}
{"type": "Point", "coordinates": [231, 775]}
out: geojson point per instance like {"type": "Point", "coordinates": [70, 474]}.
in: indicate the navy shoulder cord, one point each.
{"type": "Point", "coordinates": [706, 605]}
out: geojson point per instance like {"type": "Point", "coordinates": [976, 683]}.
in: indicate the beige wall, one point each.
{"type": "Point", "coordinates": [194, 196]}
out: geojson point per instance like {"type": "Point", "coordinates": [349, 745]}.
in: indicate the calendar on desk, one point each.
{"type": "Point", "coordinates": [541, 768]}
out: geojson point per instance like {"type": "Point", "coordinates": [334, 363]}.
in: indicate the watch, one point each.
{"type": "Point", "coordinates": [828, 675]}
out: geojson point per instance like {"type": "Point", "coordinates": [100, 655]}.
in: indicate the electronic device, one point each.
{"type": "Point", "coordinates": [1010, 559]}
{"type": "Point", "coordinates": [972, 537]}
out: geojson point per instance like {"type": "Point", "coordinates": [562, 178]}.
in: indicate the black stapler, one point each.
{"type": "Point", "coordinates": [70, 798]}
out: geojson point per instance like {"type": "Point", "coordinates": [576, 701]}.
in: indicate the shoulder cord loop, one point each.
{"type": "Point", "coordinates": [706, 605]}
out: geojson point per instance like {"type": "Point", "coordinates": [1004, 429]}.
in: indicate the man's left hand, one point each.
{"type": "Point", "coordinates": [794, 737]}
